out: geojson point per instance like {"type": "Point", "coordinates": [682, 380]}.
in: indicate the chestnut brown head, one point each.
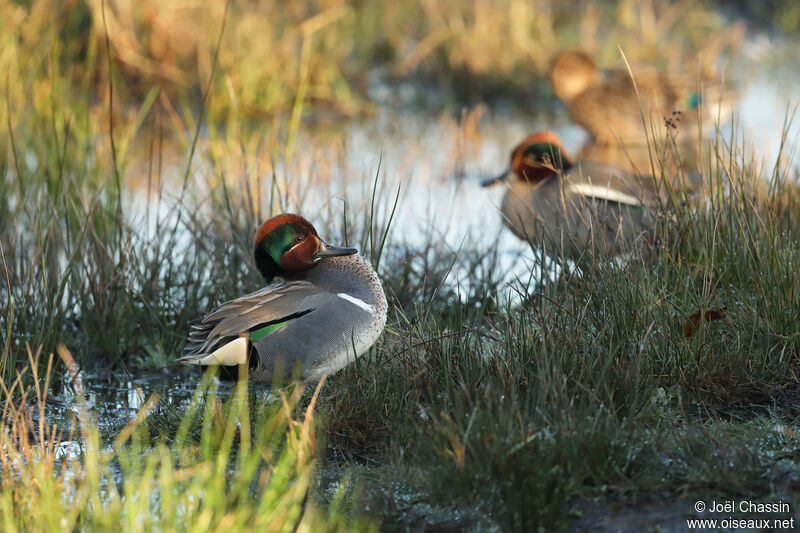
{"type": "Point", "coordinates": [289, 244]}
{"type": "Point", "coordinates": [571, 73]}
{"type": "Point", "coordinates": [539, 157]}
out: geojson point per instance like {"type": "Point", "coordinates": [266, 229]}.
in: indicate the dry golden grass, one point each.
{"type": "Point", "coordinates": [232, 479]}
{"type": "Point", "coordinates": [276, 57]}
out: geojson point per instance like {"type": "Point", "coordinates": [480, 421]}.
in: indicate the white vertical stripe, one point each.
{"type": "Point", "coordinates": [604, 193]}
{"type": "Point", "coordinates": [360, 303]}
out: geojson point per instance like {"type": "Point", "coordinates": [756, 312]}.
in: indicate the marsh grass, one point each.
{"type": "Point", "coordinates": [487, 402]}
{"type": "Point", "coordinates": [590, 384]}
{"type": "Point", "coordinates": [228, 478]}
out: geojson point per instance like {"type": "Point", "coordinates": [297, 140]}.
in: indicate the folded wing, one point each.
{"type": "Point", "coordinates": [275, 304]}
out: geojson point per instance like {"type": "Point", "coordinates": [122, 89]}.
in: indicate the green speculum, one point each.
{"type": "Point", "coordinates": [258, 334]}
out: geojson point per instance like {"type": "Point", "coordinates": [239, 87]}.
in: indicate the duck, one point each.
{"type": "Point", "coordinates": [574, 210]}
{"type": "Point", "coordinates": [606, 104]}
{"type": "Point", "coordinates": [323, 306]}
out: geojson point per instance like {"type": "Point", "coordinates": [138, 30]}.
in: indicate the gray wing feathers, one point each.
{"type": "Point", "coordinates": [642, 187]}
{"type": "Point", "coordinates": [269, 304]}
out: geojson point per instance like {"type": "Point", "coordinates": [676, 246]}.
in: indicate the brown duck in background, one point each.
{"type": "Point", "coordinates": [606, 105]}
{"type": "Point", "coordinates": [664, 157]}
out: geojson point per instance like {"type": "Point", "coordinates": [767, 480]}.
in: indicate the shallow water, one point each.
{"type": "Point", "coordinates": [437, 161]}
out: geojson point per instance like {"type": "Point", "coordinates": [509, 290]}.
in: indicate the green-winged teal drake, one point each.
{"type": "Point", "coordinates": [605, 103]}
{"type": "Point", "coordinates": [574, 208]}
{"type": "Point", "coordinates": [328, 309]}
